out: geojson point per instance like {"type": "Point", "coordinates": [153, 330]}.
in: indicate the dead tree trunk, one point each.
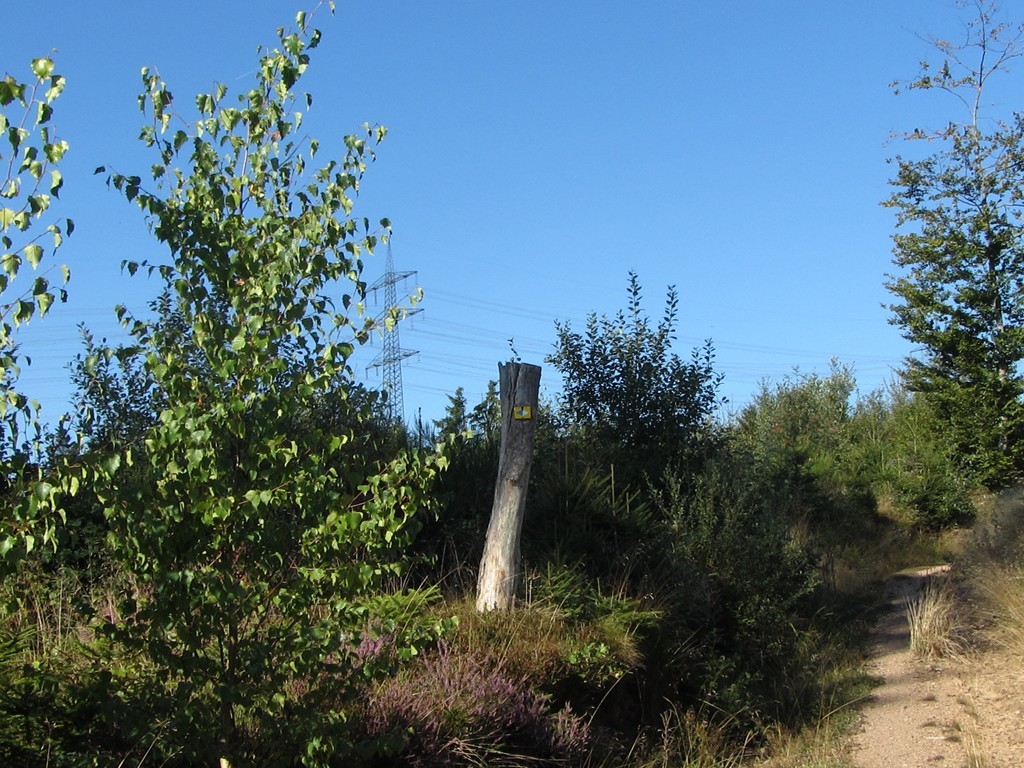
{"type": "Point", "coordinates": [499, 568]}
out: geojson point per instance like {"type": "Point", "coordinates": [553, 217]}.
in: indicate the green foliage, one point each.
{"type": "Point", "coordinates": [729, 525]}
{"type": "Point", "coordinates": [799, 428]}
{"type": "Point", "coordinates": [803, 415]}
{"type": "Point", "coordinates": [899, 442]}
{"type": "Point", "coordinates": [31, 182]}
{"type": "Point", "coordinates": [242, 521]}
{"type": "Point", "coordinates": [453, 542]}
{"type": "Point", "coordinates": [45, 715]}
{"type": "Point", "coordinates": [628, 398]}
{"type": "Point", "coordinates": [255, 530]}
{"type": "Point", "coordinates": [485, 418]}
{"type": "Point", "coordinates": [609, 623]}
{"type": "Point", "coordinates": [840, 457]}
{"type": "Point", "coordinates": [454, 421]}
{"type": "Point", "coordinates": [30, 153]}
{"type": "Point", "coordinates": [960, 256]}
{"type": "Point", "coordinates": [117, 402]}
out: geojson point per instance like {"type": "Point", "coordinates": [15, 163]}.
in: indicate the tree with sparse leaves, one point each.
{"type": "Point", "coordinates": [960, 257]}
{"type": "Point", "coordinates": [30, 153]}
{"type": "Point", "coordinates": [259, 532]}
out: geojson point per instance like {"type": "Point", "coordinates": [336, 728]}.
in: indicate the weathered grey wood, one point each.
{"type": "Point", "coordinates": [499, 568]}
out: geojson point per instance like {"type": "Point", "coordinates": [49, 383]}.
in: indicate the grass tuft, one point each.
{"type": "Point", "coordinates": [936, 622]}
{"type": "Point", "coordinates": [689, 740]}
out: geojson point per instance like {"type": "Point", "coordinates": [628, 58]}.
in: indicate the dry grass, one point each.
{"type": "Point", "coordinates": [1002, 590]}
{"type": "Point", "coordinates": [936, 619]}
{"type": "Point", "coordinates": [997, 570]}
{"type": "Point", "coordinates": [970, 736]}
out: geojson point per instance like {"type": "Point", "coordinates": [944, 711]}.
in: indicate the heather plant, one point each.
{"type": "Point", "coordinates": [459, 708]}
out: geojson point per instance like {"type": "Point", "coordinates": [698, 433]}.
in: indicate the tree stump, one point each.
{"type": "Point", "coordinates": [499, 568]}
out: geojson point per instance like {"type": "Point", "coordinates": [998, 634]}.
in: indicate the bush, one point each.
{"type": "Point", "coordinates": [457, 708]}
{"type": "Point", "coordinates": [629, 400]}
{"type": "Point", "coordinates": [899, 441]}
{"type": "Point", "coordinates": [731, 528]}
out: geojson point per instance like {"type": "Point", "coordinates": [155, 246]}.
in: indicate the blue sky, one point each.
{"type": "Point", "coordinates": [538, 152]}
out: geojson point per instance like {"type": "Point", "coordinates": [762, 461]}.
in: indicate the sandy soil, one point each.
{"type": "Point", "coordinates": [928, 713]}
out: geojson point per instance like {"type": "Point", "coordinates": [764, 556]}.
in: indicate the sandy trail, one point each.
{"type": "Point", "coordinates": [930, 713]}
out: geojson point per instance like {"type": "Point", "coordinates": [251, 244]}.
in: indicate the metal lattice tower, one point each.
{"type": "Point", "coordinates": [390, 359]}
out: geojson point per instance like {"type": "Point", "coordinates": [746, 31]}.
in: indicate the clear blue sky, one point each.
{"type": "Point", "coordinates": [537, 152]}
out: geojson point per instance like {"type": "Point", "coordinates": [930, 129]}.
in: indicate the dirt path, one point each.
{"type": "Point", "coordinates": [932, 713]}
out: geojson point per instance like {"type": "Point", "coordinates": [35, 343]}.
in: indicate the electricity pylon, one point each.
{"type": "Point", "coordinates": [390, 359]}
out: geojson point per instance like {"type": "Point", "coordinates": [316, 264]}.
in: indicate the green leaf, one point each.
{"type": "Point", "coordinates": [42, 67]}
{"type": "Point", "coordinates": [33, 254]}
{"type": "Point", "coordinates": [43, 301]}
{"type": "Point", "coordinates": [23, 311]}
{"type": "Point", "coordinates": [8, 92]}
{"type": "Point", "coordinates": [43, 113]}
{"type": "Point", "coordinates": [10, 263]}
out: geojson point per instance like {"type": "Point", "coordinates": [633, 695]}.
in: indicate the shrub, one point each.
{"type": "Point", "coordinates": [900, 443]}
{"type": "Point", "coordinates": [469, 709]}
{"type": "Point", "coordinates": [731, 527]}
{"type": "Point", "coordinates": [629, 400]}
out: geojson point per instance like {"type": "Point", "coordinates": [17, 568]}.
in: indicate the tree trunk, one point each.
{"type": "Point", "coordinates": [499, 568]}
{"type": "Point", "coordinates": [994, 252]}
